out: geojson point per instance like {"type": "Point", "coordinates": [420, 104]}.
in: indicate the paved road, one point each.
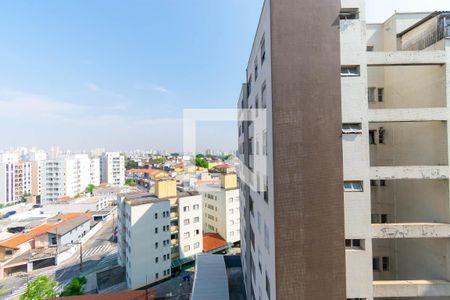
{"type": "Point", "coordinates": [98, 253]}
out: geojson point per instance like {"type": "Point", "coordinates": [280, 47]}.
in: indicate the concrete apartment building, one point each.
{"type": "Point", "coordinates": [221, 208]}
{"type": "Point", "coordinates": [22, 179]}
{"type": "Point", "coordinates": [357, 161]}
{"type": "Point", "coordinates": [157, 230]}
{"type": "Point", "coordinates": [8, 163]}
{"type": "Point", "coordinates": [95, 171]}
{"type": "Point", "coordinates": [112, 168]}
{"type": "Point", "coordinates": [144, 238]}
{"type": "Point", "coordinates": [66, 175]}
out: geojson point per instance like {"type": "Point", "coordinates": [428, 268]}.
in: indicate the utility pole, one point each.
{"type": "Point", "coordinates": [81, 257]}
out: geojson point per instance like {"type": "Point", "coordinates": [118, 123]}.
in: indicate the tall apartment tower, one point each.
{"type": "Point", "coordinates": [363, 163]}
{"type": "Point", "coordinates": [112, 168]}
{"type": "Point", "coordinates": [292, 235]}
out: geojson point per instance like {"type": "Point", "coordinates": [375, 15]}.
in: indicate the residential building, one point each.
{"type": "Point", "coordinates": [69, 232]}
{"type": "Point", "coordinates": [8, 177]}
{"type": "Point", "coordinates": [95, 171]}
{"type": "Point", "coordinates": [292, 217]}
{"type": "Point", "coordinates": [221, 206]}
{"type": "Point", "coordinates": [22, 180]}
{"type": "Point", "coordinates": [144, 238]}
{"type": "Point", "coordinates": [176, 217]}
{"type": "Point", "coordinates": [358, 162]}
{"type": "Point", "coordinates": [65, 175]}
{"type": "Point", "coordinates": [112, 168]}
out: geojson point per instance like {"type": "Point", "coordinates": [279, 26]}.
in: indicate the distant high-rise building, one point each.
{"type": "Point", "coordinates": [8, 177]}
{"type": "Point", "coordinates": [112, 168]}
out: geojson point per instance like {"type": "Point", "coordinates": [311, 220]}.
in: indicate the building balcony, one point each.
{"type": "Point", "coordinates": [408, 115]}
{"type": "Point", "coordinates": [406, 58]}
{"type": "Point", "coordinates": [411, 288]}
{"type": "Point", "coordinates": [410, 230]}
{"type": "Point", "coordinates": [173, 216]}
{"type": "Point", "coordinates": [409, 172]}
{"type": "Point", "coordinates": [173, 229]}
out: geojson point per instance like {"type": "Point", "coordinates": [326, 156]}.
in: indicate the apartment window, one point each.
{"type": "Point", "coordinates": [186, 208]}
{"type": "Point", "coordinates": [385, 263]}
{"type": "Point", "coordinates": [370, 48]}
{"type": "Point", "coordinates": [256, 106]}
{"type": "Point", "coordinates": [186, 235]}
{"type": "Point", "coordinates": [156, 275]}
{"type": "Point", "coordinates": [352, 128]}
{"type": "Point", "coordinates": [375, 218]}
{"type": "Point", "coordinates": [263, 50]}
{"type": "Point", "coordinates": [197, 245]}
{"type": "Point", "coordinates": [156, 230]}
{"type": "Point", "coordinates": [156, 245]}
{"type": "Point", "coordinates": [196, 219]}
{"type": "Point", "coordinates": [380, 94]}
{"type": "Point", "coordinates": [164, 272]}
{"type": "Point", "coordinates": [186, 222]}
{"type": "Point", "coordinates": [256, 69]}
{"type": "Point", "coordinates": [350, 71]}
{"type": "Point", "coordinates": [382, 182]}
{"type": "Point", "coordinates": [372, 134]}
{"type": "Point", "coordinates": [196, 206]}
{"type": "Point", "coordinates": [356, 244]}
{"type": "Point", "coordinates": [249, 86]}
{"type": "Point", "coordinates": [263, 96]}
{"type": "Point", "coordinates": [376, 264]}
{"type": "Point", "coordinates": [381, 132]}
{"type": "Point", "coordinates": [267, 286]}
{"type": "Point", "coordinates": [250, 201]}
{"type": "Point", "coordinates": [353, 186]}
{"type": "Point", "coordinates": [264, 146]}
{"type": "Point", "coordinates": [186, 248]}
{"type": "Point", "coordinates": [384, 218]}
{"type": "Point", "coordinates": [156, 215]}
{"type": "Point", "coordinates": [197, 232]}
{"type": "Point", "coordinates": [349, 14]}
{"type": "Point", "coordinates": [156, 260]}
{"type": "Point", "coordinates": [266, 237]}
{"type": "Point", "coordinates": [371, 92]}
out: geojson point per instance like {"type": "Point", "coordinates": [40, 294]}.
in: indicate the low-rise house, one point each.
{"type": "Point", "coordinates": [16, 252]}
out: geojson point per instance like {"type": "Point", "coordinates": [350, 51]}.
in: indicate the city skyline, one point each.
{"type": "Point", "coordinates": [81, 81]}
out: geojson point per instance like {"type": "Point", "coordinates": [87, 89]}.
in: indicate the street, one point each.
{"type": "Point", "coordinates": [98, 253]}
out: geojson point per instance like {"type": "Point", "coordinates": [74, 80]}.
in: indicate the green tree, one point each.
{"type": "Point", "coordinates": [130, 164]}
{"type": "Point", "coordinates": [200, 161]}
{"type": "Point", "coordinates": [90, 188]}
{"type": "Point", "coordinates": [40, 288]}
{"type": "Point", "coordinates": [130, 182]}
{"type": "Point", "coordinates": [75, 287]}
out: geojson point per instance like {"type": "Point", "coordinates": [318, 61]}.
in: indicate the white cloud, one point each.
{"type": "Point", "coordinates": [25, 105]}
{"type": "Point", "coordinates": [152, 87]}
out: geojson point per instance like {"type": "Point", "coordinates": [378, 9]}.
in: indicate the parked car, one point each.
{"type": "Point", "coordinates": [9, 213]}
{"type": "Point", "coordinates": [37, 206]}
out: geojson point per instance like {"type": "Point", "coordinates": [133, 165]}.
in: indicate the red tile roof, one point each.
{"type": "Point", "coordinates": [127, 295]}
{"type": "Point", "coordinates": [212, 241]}
{"type": "Point", "coordinates": [20, 238]}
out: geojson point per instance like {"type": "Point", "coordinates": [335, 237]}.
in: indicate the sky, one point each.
{"type": "Point", "coordinates": [117, 74]}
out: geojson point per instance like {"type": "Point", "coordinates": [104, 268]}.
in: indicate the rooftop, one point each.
{"type": "Point", "coordinates": [20, 238]}
{"type": "Point", "coordinates": [211, 280]}
{"type": "Point", "coordinates": [127, 295]}
{"type": "Point", "coordinates": [67, 226]}
{"type": "Point", "coordinates": [140, 198]}
{"type": "Point", "coordinates": [212, 241]}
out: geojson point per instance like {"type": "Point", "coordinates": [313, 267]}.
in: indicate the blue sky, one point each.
{"type": "Point", "coordinates": [117, 74]}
